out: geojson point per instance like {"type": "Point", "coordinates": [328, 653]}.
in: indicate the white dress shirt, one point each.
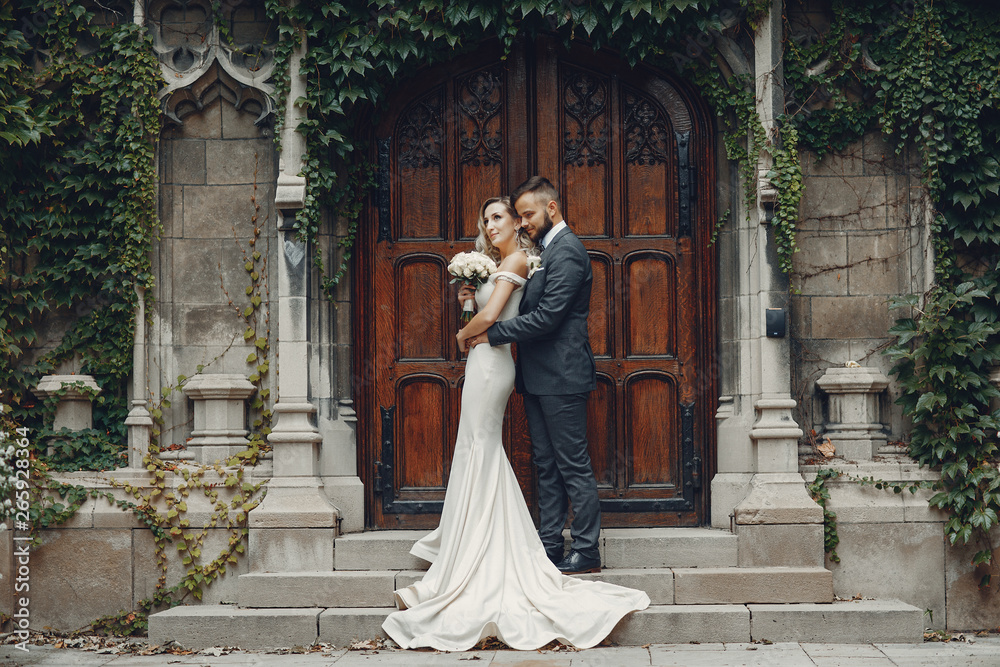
{"type": "Point", "coordinates": [556, 228]}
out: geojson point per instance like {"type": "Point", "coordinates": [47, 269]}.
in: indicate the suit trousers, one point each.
{"type": "Point", "coordinates": [558, 426]}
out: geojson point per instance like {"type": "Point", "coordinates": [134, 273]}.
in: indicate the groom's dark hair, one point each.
{"type": "Point", "coordinates": [538, 186]}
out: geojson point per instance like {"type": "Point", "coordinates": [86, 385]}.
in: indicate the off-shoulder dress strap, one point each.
{"type": "Point", "coordinates": [510, 277]}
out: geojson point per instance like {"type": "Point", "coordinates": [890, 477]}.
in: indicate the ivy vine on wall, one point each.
{"type": "Point", "coordinates": [80, 119]}
{"type": "Point", "coordinates": [926, 74]}
{"type": "Point", "coordinates": [359, 50]}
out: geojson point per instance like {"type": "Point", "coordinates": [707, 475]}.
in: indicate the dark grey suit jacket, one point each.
{"type": "Point", "coordinates": [553, 353]}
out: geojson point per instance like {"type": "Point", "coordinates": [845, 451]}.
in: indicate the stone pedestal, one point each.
{"type": "Point", "coordinates": [219, 415]}
{"type": "Point", "coordinates": [778, 523]}
{"type": "Point", "coordinates": [73, 412]}
{"type": "Point", "coordinates": [853, 419]}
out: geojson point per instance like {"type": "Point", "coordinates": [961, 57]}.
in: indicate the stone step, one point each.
{"type": "Point", "coordinates": [373, 588]}
{"type": "Point", "coordinates": [862, 621]}
{"type": "Point", "coordinates": [741, 585]}
{"type": "Point", "coordinates": [620, 548]}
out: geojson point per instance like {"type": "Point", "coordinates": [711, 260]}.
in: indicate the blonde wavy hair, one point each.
{"type": "Point", "coordinates": [483, 243]}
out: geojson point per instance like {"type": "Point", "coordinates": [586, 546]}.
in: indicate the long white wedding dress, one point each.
{"type": "Point", "coordinates": [489, 575]}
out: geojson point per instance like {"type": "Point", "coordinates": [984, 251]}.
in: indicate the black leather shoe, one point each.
{"type": "Point", "coordinates": [576, 563]}
{"type": "Point", "coordinates": [555, 555]}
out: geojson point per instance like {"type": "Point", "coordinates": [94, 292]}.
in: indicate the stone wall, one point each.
{"type": "Point", "coordinates": [103, 560]}
{"type": "Point", "coordinates": [208, 168]}
{"type": "Point", "coordinates": [893, 546]}
{"type": "Point", "coordinates": [860, 243]}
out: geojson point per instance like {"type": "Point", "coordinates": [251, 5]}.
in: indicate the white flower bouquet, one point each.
{"type": "Point", "coordinates": [473, 268]}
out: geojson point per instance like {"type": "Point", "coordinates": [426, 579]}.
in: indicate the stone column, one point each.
{"type": "Point", "coordinates": [139, 421]}
{"type": "Point", "coordinates": [853, 419]}
{"type": "Point", "coordinates": [294, 527]}
{"type": "Point", "coordinates": [777, 522]}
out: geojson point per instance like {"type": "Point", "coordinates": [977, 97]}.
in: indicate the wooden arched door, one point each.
{"type": "Point", "coordinates": [632, 158]}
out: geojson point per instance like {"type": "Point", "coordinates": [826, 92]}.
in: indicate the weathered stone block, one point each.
{"type": "Point", "coordinates": [199, 281]}
{"type": "Point", "coordinates": [378, 551]}
{"type": "Point", "coordinates": [78, 576]}
{"type": "Point", "coordinates": [854, 622]}
{"type": "Point", "coordinates": [904, 561]}
{"type": "Point", "coordinates": [291, 550]}
{"type": "Point", "coordinates": [772, 545]}
{"type": "Point", "coordinates": [668, 547]}
{"type": "Point", "coordinates": [203, 325]}
{"type": "Point", "coordinates": [185, 160]}
{"type": "Point", "coordinates": [728, 585]}
{"type": "Point", "coordinates": [854, 503]}
{"type": "Point", "coordinates": [846, 162]}
{"type": "Point", "coordinates": [408, 578]}
{"type": "Point", "coordinates": [346, 493]}
{"type": "Point", "coordinates": [850, 317]}
{"type": "Point", "coordinates": [969, 606]}
{"type": "Point", "coordinates": [341, 627]}
{"type": "Point", "coordinates": [317, 589]}
{"type": "Point", "coordinates": [221, 591]}
{"type": "Point", "coordinates": [681, 624]}
{"type": "Point", "coordinates": [820, 265]}
{"type": "Point", "coordinates": [171, 209]}
{"type": "Point", "coordinates": [916, 507]}
{"type": "Point", "coordinates": [239, 124]}
{"type": "Point", "coordinates": [229, 162]}
{"type": "Point", "coordinates": [223, 625]}
{"type": "Point", "coordinates": [849, 202]}
{"type": "Point", "coordinates": [874, 264]}
{"type": "Point", "coordinates": [800, 316]}
{"type": "Point", "coordinates": [204, 124]}
{"type": "Point", "coordinates": [211, 211]}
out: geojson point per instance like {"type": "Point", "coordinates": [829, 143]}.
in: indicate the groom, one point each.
{"type": "Point", "coordinates": [555, 374]}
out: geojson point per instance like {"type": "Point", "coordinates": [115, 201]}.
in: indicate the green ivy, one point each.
{"type": "Point", "coordinates": [358, 50]}
{"type": "Point", "coordinates": [786, 176]}
{"type": "Point", "coordinates": [944, 98]}
{"type": "Point", "coordinates": [821, 494]}
{"type": "Point", "coordinates": [79, 207]}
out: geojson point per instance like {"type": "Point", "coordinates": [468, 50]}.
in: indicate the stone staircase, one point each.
{"type": "Point", "coordinates": [698, 594]}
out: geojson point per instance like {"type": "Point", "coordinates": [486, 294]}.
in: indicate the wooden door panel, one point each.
{"type": "Point", "coordinates": [480, 101]}
{"type": "Point", "coordinates": [651, 430]}
{"type": "Point", "coordinates": [600, 324]}
{"type": "Point", "coordinates": [650, 304]}
{"type": "Point", "coordinates": [602, 419]}
{"type": "Point", "coordinates": [422, 299]}
{"type": "Point", "coordinates": [585, 145]}
{"type": "Point", "coordinates": [650, 172]}
{"type": "Point", "coordinates": [419, 188]}
{"type": "Point", "coordinates": [517, 444]}
{"type": "Point", "coordinates": [423, 452]}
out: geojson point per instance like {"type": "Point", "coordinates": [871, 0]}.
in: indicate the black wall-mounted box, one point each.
{"type": "Point", "coordinates": [774, 322]}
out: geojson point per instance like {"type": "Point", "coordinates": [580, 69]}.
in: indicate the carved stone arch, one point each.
{"type": "Point", "coordinates": [201, 63]}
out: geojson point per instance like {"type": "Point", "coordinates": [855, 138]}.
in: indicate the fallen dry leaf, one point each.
{"type": "Point", "coordinates": [826, 448]}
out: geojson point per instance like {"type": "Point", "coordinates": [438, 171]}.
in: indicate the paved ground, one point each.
{"type": "Point", "coordinates": [985, 651]}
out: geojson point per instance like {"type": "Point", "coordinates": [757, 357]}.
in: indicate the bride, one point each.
{"type": "Point", "coordinates": [489, 574]}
